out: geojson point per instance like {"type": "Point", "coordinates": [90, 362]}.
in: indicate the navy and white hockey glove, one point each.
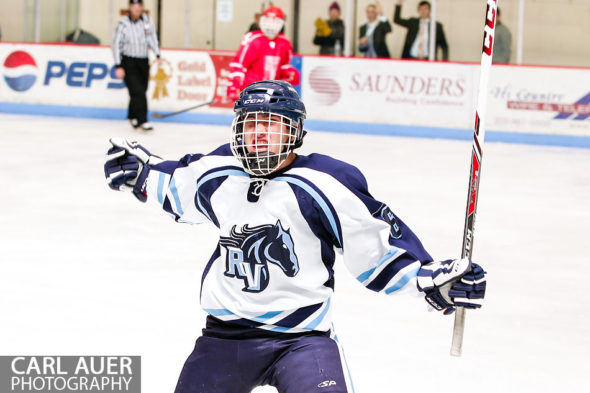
{"type": "Point", "coordinates": [127, 167]}
{"type": "Point", "coordinates": [452, 283]}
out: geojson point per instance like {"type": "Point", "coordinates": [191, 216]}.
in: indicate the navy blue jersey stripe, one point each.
{"type": "Point", "coordinates": [208, 183]}
{"type": "Point", "coordinates": [223, 150]}
{"type": "Point", "coordinates": [216, 254]}
{"type": "Point", "coordinates": [329, 217]}
{"type": "Point", "coordinates": [313, 214]}
{"type": "Point", "coordinates": [298, 316]}
{"type": "Point", "coordinates": [170, 166]}
{"type": "Point", "coordinates": [235, 170]}
{"type": "Point", "coordinates": [167, 206]}
{"type": "Point", "coordinates": [246, 322]}
{"type": "Point", "coordinates": [379, 283]}
{"type": "Point", "coordinates": [348, 175]}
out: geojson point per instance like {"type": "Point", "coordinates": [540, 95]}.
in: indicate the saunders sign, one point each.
{"type": "Point", "coordinates": [386, 91]}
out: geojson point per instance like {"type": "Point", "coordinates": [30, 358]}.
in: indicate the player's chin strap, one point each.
{"type": "Point", "coordinates": [300, 142]}
{"type": "Point", "coordinates": [261, 166]}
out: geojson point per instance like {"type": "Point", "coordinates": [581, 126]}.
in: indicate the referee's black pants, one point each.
{"type": "Point", "coordinates": [137, 72]}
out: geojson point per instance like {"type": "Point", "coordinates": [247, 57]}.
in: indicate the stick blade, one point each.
{"type": "Point", "coordinates": [157, 115]}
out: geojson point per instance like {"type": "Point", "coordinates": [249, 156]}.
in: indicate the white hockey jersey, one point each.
{"type": "Point", "coordinates": [273, 266]}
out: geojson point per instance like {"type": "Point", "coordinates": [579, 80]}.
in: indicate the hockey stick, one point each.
{"type": "Point", "coordinates": [164, 115]}
{"type": "Point", "coordinates": [475, 172]}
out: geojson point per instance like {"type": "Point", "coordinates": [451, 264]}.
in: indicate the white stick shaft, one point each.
{"type": "Point", "coordinates": [478, 140]}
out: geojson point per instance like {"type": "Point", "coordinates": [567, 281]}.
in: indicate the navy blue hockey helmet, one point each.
{"type": "Point", "coordinates": [268, 126]}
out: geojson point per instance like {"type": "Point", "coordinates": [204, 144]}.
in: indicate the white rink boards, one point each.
{"type": "Point", "coordinates": [88, 271]}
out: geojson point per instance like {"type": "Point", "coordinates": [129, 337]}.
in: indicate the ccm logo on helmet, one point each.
{"type": "Point", "coordinates": [254, 101]}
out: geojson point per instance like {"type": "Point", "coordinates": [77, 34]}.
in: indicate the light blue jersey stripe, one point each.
{"type": "Point", "coordinates": [214, 175]}
{"type": "Point", "coordinates": [345, 365]}
{"type": "Point", "coordinates": [403, 281]}
{"type": "Point", "coordinates": [268, 315]}
{"type": "Point", "coordinates": [386, 258]}
{"type": "Point", "coordinates": [174, 192]}
{"type": "Point", "coordinates": [319, 318]}
{"type": "Point", "coordinates": [161, 187]}
{"type": "Point", "coordinates": [218, 312]}
{"type": "Point", "coordinates": [318, 199]}
{"type": "Point", "coordinates": [344, 362]}
{"type": "Point", "coordinates": [281, 329]}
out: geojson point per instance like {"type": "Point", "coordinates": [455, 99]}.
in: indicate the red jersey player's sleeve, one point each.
{"type": "Point", "coordinates": [244, 59]}
{"type": "Point", "coordinates": [286, 71]}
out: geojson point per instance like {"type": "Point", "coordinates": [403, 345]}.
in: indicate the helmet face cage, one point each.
{"type": "Point", "coordinates": [263, 140]}
{"type": "Point", "coordinates": [271, 26]}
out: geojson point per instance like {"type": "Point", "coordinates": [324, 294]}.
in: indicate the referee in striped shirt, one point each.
{"type": "Point", "coordinates": [135, 34]}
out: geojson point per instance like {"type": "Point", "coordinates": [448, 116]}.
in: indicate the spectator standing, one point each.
{"type": "Point", "coordinates": [135, 34]}
{"type": "Point", "coordinates": [502, 42]}
{"type": "Point", "coordinates": [330, 33]}
{"type": "Point", "coordinates": [416, 45]}
{"type": "Point", "coordinates": [373, 31]}
{"type": "Point", "coordinates": [264, 54]}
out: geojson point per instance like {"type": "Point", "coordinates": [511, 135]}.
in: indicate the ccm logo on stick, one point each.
{"type": "Point", "coordinates": [488, 38]}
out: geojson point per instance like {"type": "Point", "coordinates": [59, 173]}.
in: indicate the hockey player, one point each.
{"type": "Point", "coordinates": [282, 218]}
{"type": "Point", "coordinates": [263, 55]}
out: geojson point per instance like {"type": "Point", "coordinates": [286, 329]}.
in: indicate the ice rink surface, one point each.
{"type": "Point", "coordinates": [88, 271]}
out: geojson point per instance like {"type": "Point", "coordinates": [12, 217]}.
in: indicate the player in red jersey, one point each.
{"type": "Point", "coordinates": [264, 54]}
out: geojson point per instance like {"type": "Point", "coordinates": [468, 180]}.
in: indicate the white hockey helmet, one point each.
{"type": "Point", "coordinates": [272, 22]}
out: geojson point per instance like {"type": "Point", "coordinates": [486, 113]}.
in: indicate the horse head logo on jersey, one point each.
{"type": "Point", "coordinates": [249, 252]}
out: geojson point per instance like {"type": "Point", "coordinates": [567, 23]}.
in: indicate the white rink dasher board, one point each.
{"type": "Point", "coordinates": [380, 91]}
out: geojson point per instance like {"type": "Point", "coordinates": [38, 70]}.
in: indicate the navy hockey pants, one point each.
{"type": "Point", "coordinates": [304, 364]}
